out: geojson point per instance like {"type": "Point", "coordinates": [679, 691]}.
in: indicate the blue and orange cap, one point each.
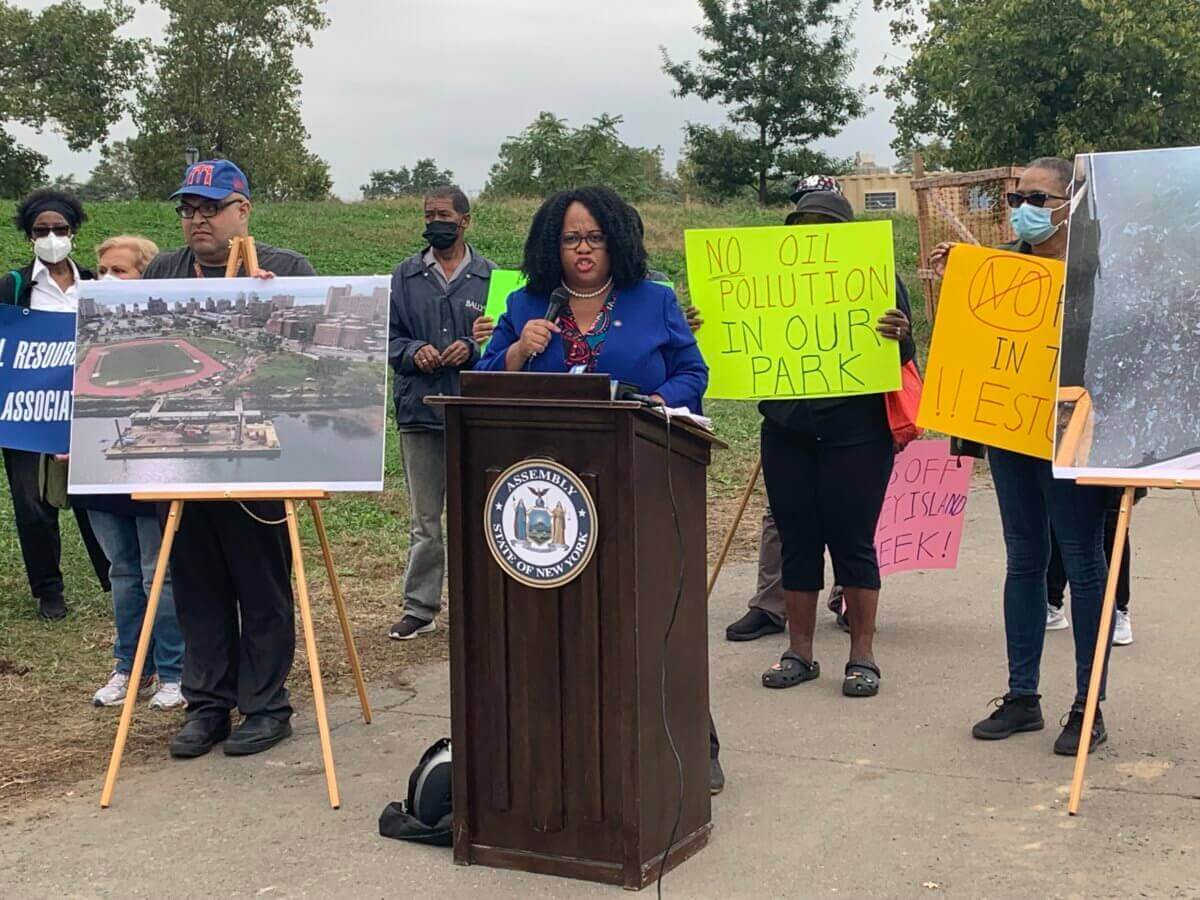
{"type": "Point", "coordinates": [213, 179]}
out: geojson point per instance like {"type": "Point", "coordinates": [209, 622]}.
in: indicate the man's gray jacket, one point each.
{"type": "Point", "coordinates": [424, 311]}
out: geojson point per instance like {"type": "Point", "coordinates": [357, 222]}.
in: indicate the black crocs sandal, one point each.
{"type": "Point", "coordinates": [791, 670]}
{"type": "Point", "coordinates": [862, 679]}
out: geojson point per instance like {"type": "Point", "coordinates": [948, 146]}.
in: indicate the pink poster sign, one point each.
{"type": "Point", "coordinates": [921, 524]}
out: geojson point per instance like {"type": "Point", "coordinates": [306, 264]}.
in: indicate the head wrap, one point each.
{"type": "Point", "coordinates": [814, 183]}
{"type": "Point", "coordinates": [39, 205]}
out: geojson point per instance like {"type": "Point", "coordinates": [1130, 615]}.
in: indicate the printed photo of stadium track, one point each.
{"type": "Point", "coordinates": [219, 384]}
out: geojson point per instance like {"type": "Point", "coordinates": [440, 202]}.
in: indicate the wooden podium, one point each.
{"type": "Point", "coordinates": [562, 765]}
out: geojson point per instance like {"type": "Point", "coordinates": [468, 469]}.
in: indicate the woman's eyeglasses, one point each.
{"type": "Point", "coordinates": [41, 231]}
{"type": "Point", "coordinates": [1033, 198]}
{"type": "Point", "coordinates": [595, 239]}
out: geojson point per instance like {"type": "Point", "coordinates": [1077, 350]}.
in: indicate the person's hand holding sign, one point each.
{"type": "Point", "coordinates": [482, 330]}
{"type": "Point", "coordinates": [535, 337]}
{"type": "Point", "coordinates": [894, 325]}
{"type": "Point", "coordinates": [939, 256]}
{"type": "Point", "coordinates": [427, 358]}
{"type": "Point", "coordinates": [456, 354]}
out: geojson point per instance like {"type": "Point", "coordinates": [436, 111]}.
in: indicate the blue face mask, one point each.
{"type": "Point", "coordinates": [1032, 223]}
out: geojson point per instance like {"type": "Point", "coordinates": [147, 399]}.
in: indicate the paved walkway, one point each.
{"type": "Point", "coordinates": [826, 797]}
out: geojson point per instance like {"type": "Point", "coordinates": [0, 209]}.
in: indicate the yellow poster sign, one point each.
{"type": "Point", "coordinates": [993, 363]}
{"type": "Point", "coordinates": [790, 312]}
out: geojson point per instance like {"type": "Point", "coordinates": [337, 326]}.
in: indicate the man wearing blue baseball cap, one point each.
{"type": "Point", "coordinates": [231, 565]}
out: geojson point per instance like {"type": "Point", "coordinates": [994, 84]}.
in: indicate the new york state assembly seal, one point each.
{"type": "Point", "coordinates": [540, 523]}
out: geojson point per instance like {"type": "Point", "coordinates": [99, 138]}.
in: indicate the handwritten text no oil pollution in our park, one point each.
{"type": "Point", "coordinates": [792, 311]}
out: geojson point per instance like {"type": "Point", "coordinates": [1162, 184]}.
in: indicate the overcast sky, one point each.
{"type": "Point", "coordinates": [391, 81]}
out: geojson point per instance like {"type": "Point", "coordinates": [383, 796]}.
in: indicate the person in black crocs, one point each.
{"type": "Point", "coordinates": [826, 464]}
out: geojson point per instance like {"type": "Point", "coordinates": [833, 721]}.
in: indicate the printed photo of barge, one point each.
{"type": "Point", "coordinates": [230, 383]}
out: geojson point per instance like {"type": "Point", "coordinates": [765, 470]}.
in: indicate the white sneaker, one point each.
{"type": "Point", "coordinates": [113, 693]}
{"type": "Point", "coordinates": [168, 696]}
{"type": "Point", "coordinates": [1056, 618]}
{"type": "Point", "coordinates": [1123, 630]}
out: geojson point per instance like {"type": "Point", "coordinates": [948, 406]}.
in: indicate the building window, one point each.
{"type": "Point", "coordinates": [880, 200]}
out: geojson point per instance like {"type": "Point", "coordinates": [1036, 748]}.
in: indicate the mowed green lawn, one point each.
{"type": "Point", "coordinates": [141, 362]}
{"type": "Point", "coordinates": [49, 670]}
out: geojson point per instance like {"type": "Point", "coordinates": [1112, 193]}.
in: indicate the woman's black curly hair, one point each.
{"type": "Point", "coordinates": [626, 247]}
{"type": "Point", "coordinates": [43, 199]}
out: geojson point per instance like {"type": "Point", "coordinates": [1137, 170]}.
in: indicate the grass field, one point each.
{"type": "Point", "coordinates": [49, 735]}
{"type": "Point", "coordinates": [122, 365]}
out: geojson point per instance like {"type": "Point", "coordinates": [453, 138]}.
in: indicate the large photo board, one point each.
{"type": "Point", "coordinates": [230, 384]}
{"type": "Point", "coordinates": [1131, 330]}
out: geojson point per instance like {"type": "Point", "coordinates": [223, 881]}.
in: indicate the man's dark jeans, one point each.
{"type": "Point", "coordinates": [1030, 500]}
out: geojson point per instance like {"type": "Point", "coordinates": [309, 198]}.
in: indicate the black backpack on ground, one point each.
{"type": "Point", "coordinates": [426, 816]}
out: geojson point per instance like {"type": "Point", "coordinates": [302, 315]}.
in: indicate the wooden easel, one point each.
{"type": "Point", "coordinates": [1073, 451]}
{"type": "Point", "coordinates": [243, 249]}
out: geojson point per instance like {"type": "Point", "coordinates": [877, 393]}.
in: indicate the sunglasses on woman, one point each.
{"type": "Point", "coordinates": [41, 231]}
{"type": "Point", "coordinates": [1033, 198]}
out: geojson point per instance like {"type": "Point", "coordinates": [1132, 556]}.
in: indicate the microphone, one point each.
{"type": "Point", "coordinates": [632, 392]}
{"type": "Point", "coordinates": [560, 298]}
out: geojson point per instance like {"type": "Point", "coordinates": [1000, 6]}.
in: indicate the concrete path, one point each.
{"type": "Point", "coordinates": [827, 797]}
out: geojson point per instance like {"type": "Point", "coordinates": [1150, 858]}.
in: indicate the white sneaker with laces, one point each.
{"type": "Point", "coordinates": [113, 693]}
{"type": "Point", "coordinates": [1123, 630]}
{"type": "Point", "coordinates": [1056, 618]}
{"type": "Point", "coordinates": [168, 696]}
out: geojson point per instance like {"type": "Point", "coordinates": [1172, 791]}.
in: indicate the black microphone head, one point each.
{"type": "Point", "coordinates": [560, 298]}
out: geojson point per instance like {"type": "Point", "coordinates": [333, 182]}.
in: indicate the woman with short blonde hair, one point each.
{"type": "Point", "coordinates": [127, 256]}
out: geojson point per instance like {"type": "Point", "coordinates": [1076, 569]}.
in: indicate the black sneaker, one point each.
{"type": "Point", "coordinates": [1013, 714]}
{"type": "Point", "coordinates": [52, 607]}
{"type": "Point", "coordinates": [754, 624]}
{"type": "Point", "coordinates": [256, 734]}
{"type": "Point", "coordinates": [199, 735]}
{"type": "Point", "coordinates": [409, 627]}
{"type": "Point", "coordinates": [1068, 742]}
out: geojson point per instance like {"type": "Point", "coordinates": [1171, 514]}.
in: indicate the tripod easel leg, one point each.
{"type": "Point", "coordinates": [340, 604]}
{"type": "Point", "coordinates": [310, 646]}
{"type": "Point", "coordinates": [733, 526]}
{"type": "Point", "coordinates": [143, 646]}
{"type": "Point", "coordinates": [1102, 642]}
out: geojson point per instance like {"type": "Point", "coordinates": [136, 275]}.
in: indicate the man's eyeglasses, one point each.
{"type": "Point", "coordinates": [207, 210]}
{"type": "Point", "coordinates": [595, 239]}
{"type": "Point", "coordinates": [1033, 198]}
{"type": "Point", "coordinates": [41, 231]}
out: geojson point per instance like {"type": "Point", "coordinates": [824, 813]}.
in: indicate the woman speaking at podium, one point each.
{"type": "Point", "coordinates": [588, 306]}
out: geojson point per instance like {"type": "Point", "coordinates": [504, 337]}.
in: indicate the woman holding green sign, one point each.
{"type": "Point", "coordinates": [826, 464]}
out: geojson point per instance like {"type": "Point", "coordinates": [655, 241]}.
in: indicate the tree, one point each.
{"type": "Point", "coordinates": [64, 68]}
{"type": "Point", "coordinates": [112, 178]}
{"type": "Point", "coordinates": [781, 67]}
{"type": "Point", "coordinates": [1005, 81]}
{"type": "Point", "coordinates": [551, 156]}
{"type": "Point", "coordinates": [933, 156]}
{"type": "Point", "coordinates": [723, 164]}
{"type": "Point", "coordinates": [387, 184]}
{"type": "Point", "coordinates": [21, 169]}
{"type": "Point", "coordinates": [226, 83]}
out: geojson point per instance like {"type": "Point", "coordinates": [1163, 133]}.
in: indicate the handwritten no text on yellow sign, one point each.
{"type": "Point", "coordinates": [993, 363]}
{"type": "Point", "coordinates": [790, 312]}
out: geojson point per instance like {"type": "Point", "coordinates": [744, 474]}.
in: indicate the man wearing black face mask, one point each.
{"type": "Point", "coordinates": [436, 296]}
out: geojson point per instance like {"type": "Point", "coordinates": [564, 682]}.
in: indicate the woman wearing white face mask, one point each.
{"type": "Point", "coordinates": [49, 219]}
{"type": "Point", "coordinates": [1031, 500]}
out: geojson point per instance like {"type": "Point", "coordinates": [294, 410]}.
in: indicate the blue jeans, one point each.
{"type": "Point", "coordinates": [131, 543]}
{"type": "Point", "coordinates": [1031, 498]}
